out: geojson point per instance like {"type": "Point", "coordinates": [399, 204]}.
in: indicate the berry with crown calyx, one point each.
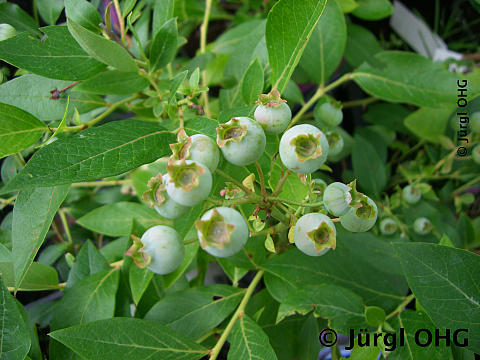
{"type": "Point", "coordinates": [158, 198]}
{"type": "Point", "coordinates": [272, 112]}
{"type": "Point", "coordinates": [197, 147]}
{"type": "Point", "coordinates": [160, 249]}
{"type": "Point", "coordinates": [314, 234]}
{"type": "Point", "coordinates": [361, 217]}
{"type": "Point", "coordinates": [189, 183]}
{"type": "Point", "coordinates": [303, 149]}
{"type": "Point", "coordinates": [222, 231]}
{"type": "Point", "coordinates": [241, 140]}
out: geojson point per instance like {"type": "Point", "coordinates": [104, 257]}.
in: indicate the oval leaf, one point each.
{"type": "Point", "coordinates": [407, 77]}
{"type": "Point", "coordinates": [32, 215]}
{"type": "Point", "coordinates": [55, 55]}
{"type": "Point", "coordinates": [164, 45]}
{"type": "Point", "coordinates": [15, 338]}
{"type": "Point", "coordinates": [126, 339]}
{"type": "Point", "coordinates": [252, 82]}
{"type": "Point", "coordinates": [326, 45]}
{"type": "Point", "coordinates": [289, 26]}
{"type": "Point", "coordinates": [117, 219]}
{"type": "Point", "coordinates": [444, 281]}
{"type": "Point", "coordinates": [106, 150]}
{"type": "Point", "coordinates": [18, 129]}
{"type": "Point", "coordinates": [113, 82]}
{"type": "Point", "coordinates": [103, 50]}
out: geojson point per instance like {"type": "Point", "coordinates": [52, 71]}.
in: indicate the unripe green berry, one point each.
{"type": "Point", "coordinates": [7, 31]}
{"type": "Point", "coordinates": [335, 143]}
{"type": "Point", "coordinates": [303, 149]}
{"type": "Point", "coordinates": [422, 226]}
{"type": "Point", "coordinates": [222, 231]}
{"type": "Point", "coordinates": [360, 219]}
{"type": "Point", "coordinates": [274, 119]}
{"type": "Point", "coordinates": [328, 114]}
{"type": "Point", "coordinates": [314, 234]}
{"type": "Point", "coordinates": [198, 148]}
{"type": "Point", "coordinates": [241, 140]}
{"type": "Point", "coordinates": [189, 182]}
{"type": "Point", "coordinates": [388, 226]}
{"type": "Point", "coordinates": [411, 194]}
{"type": "Point", "coordinates": [168, 208]}
{"type": "Point", "coordinates": [164, 248]}
{"type": "Point", "coordinates": [474, 122]}
{"type": "Point", "coordinates": [337, 198]}
{"type": "Point", "coordinates": [476, 154]}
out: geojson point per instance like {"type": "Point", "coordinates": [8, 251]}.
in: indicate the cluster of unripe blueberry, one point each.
{"type": "Point", "coordinates": [222, 231]}
{"type": "Point", "coordinates": [422, 226]}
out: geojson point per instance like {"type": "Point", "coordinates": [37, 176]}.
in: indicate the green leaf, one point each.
{"type": "Point", "coordinates": [407, 77]}
{"type": "Point", "coordinates": [343, 267]}
{"type": "Point", "coordinates": [194, 78]}
{"type": "Point", "coordinates": [466, 230]}
{"type": "Point", "coordinates": [113, 82]}
{"type": "Point", "coordinates": [348, 5]}
{"type": "Point", "coordinates": [32, 93]}
{"type": "Point", "coordinates": [248, 341]}
{"type": "Point", "coordinates": [83, 13]}
{"type": "Point", "coordinates": [51, 253]}
{"type": "Point", "coordinates": [326, 45]}
{"type": "Point", "coordinates": [50, 10]}
{"type": "Point", "coordinates": [39, 277]}
{"type": "Point", "coordinates": [290, 24]}
{"type": "Point", "coordinates": [106, 150]}
{"type": "Point", "coordinates": [429, 123]}
{"type": "Point", "coordinates": [90, 299]}
{"type": "Point", "coordinates": [164, 45]}
{"type": "Point", "coordinates": [444, 281]}
{"type": "Point", "coordinates": [162, 11]}
{"type": "Point", "coordinates": [14, 334]}
{"type": "Point", "coordinates": [32, 215]}
{"type": "Point", "coordinates": [126, 339]}
{"type": "Point", "coordinates": [236, 37]}
{"type": "Point", "coordinates": [14, 15]}
{"type": "Point", "coordinates": [245, 51]}
{"type": "Point", "coordinates": [35, 351]}
{"type": "Point", "coordinates": [373, 9]}
{"type": "Point", "coordinates": [202, 125]}
{"type": "Point", "coordinates": [175, 84]}
{"type": "Point", "coordinates": [309, 346]}
{"type": "Point", "coordinates": [195, 311]}
{"type": "Point", "coordinates": [368, 167]}
{"type": "Point", "coordinates": [18, 129]}
{"type": "Point", "coordinates": [139, 279]}
{"type": "Point", "coordinates": [390, 116]}
{"type": "Point", "coordinates": [373, 249]}
{"type": "Point", "coordinates": [117, 219]}
{"type": "Point", "coordinates": [89, 261]}
{"type": "Point", "coordinates": [361, 46]}
{"type": "Point", "coordinates": [100, 48]}
{"type": "Point", "coordinates": [411, 322]}
{"type": "Point", "coordinates": [252, 82]}
{"type": "Point", "coordinates": [55, 56]}
{"type": "Point", "coordinates": [342, 307]}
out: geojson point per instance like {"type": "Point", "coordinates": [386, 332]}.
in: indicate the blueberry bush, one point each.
{"type": "Point", "coordinates": [224, 179]}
